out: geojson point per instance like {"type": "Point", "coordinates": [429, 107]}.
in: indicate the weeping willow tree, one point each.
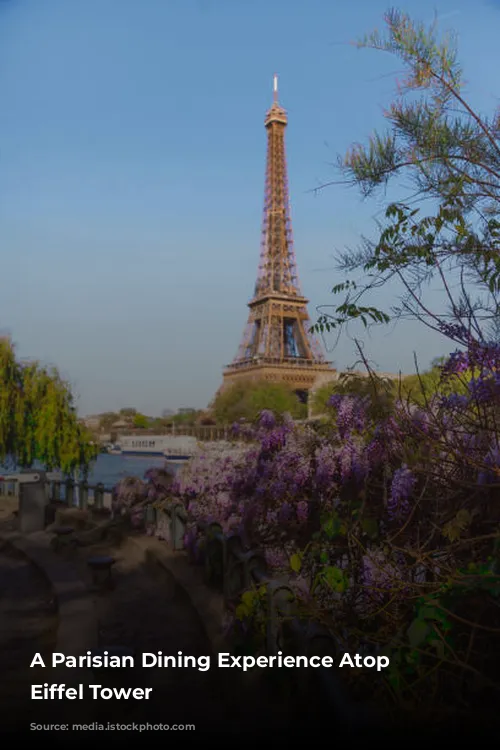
{"type": "Point", "coordinates": [38, 420]}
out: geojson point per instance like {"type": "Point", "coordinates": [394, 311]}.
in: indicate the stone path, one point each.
{"type": "Point", "coordinates": [145, 610]}
{"type": "Point", "coordinates": [148, 612]}
{"type": "Point", "coordinates": [28, 623]}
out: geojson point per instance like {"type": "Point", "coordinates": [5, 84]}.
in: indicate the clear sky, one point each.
{"type": "Point", "coordinates": [132, 154]}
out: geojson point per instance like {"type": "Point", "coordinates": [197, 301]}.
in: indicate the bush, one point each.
{"type": "Point", "coordinates": [389, 528]}
{"type": "Point", "coordinates": [246, 399]}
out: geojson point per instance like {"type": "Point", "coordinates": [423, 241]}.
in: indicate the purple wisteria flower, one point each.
{"type": "Point", "coordinates": [302, 511]}
{"type": "Point", "coordinates": [456, 331]}
{"type": "Point", "coordinates": [274, 440]}
{"type": "Point", "coordinates": [285, 512]}
{"type": "Point", "coordinates": [351, 413]}
{"type": "Point", "coordinates": [382, 578]}
{"type": "Point", "coordinates": [276, 558]}
{"type": "Point", "coordinates": [403, 484]}
{"type": "Point", "coordinates": [267, 419]}
{"type": "Point", "coordinates": [272, 516]}
{"type": "Point", "coordinates": [326, 466]}
{"type": "Point", "coordinates": [375, 453]}
{"type": "Point", "coordinates": [490, 474]}
{"type": "Point", "coordinates": [454, 401]}
{"type": "Point", "coordinates": [486, 387]}
{"type": "Point", "coordinates": [352, 461]}
{"type": "Point", "coordinates": [478, 355]}
{"type": "Point", "coordinates": [377, 576]}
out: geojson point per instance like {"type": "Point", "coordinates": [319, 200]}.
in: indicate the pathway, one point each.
{"type": "Point", "coordinates": [147, 611]}
{"type": "Point", "coordinates": [28, 623]}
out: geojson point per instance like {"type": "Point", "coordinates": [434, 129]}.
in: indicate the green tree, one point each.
{"type": "Point", "coordinates": [246, 399]}
{"type": "Point", "coordinates": [141, 421]}
{"type": "Point", "coordinates": [447, 230]}
{"type": "Point", "coordinates": [128, 412]}
{"type": "Point", "coordinates": [380, 391]}
{"type": "Point", "coordinates": [383, 392]}
{"type": "Point", "coordinates": [107, 420]}
{"type": "Point", "coordinates": [38, 421]}
{"type": "Point", "coordinates": [421, 387]}
{"type": "Point", "coordinates": [185, 418]}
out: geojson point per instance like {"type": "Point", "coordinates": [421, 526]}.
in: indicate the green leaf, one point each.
{"type": "Point", "coordinates": [241, 612]}
{"type": "Point", "coordinates": [417, 632]}
{"type": "Point", "coordinates": [296, 563]}
{"type": "Point", "coordinates": [334, 577]}
{"type": "Point", "coordinates": [248, 598]}
{"type": "Point", "coordinates": [370, 527]}
{"type": "Point", "coordinates": [333, 527]}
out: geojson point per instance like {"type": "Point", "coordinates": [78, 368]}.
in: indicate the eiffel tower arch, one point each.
{"type": "Point", "coordinates": [277, 344]}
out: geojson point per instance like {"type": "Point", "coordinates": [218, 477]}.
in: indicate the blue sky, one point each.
{"type": "Point", "coordinates": [132, 154]}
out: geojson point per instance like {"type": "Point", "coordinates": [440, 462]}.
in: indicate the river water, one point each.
{"type": "Point", "coordinates": [110, 469]}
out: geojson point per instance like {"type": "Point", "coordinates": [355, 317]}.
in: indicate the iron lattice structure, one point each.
{"type": "Point", "coordinates": [277, 343]}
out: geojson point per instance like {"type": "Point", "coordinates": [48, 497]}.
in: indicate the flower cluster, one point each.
{"type": "Point", "coordinates": [351, 413]}
{"type": "Point", "coordinates": [379, 577]}
{"type": "Point", "coordinates": [402, 487]}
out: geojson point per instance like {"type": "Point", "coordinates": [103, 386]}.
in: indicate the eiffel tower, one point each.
{"type": "Point", "coordinates": [277, 344]}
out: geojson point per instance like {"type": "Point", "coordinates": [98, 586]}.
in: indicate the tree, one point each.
{"type": "Point", "coordinates": [422, 387]}
{"type": "Point", "coordinates": [378, 391]}
{"type": "Point", "coordinates": [447, 230]}
{"type": "Point", "coordinates": [187, 418]}
{"type": "Point", "coordinates": [248, 398]}
{"type": "Point", "coordinates": [140, 421]}
{"type": "Point", "coordinates": [107, 420]}
{"type": "Point", "coordinates": [128, 412]}
{"type": "Point", "coordinates": [38, 421]}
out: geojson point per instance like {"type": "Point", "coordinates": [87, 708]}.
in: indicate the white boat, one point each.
{"type": "Point", "coordinates": [173, 448]}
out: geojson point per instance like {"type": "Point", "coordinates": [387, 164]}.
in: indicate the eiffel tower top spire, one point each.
{"type": "Point", "coordinates": [277, 268]}
{"type": "Point", "coordinates": [277, 344]}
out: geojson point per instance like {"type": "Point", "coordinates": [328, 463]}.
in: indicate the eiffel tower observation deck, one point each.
{"type": "Point", "coordinates": [277, 344]}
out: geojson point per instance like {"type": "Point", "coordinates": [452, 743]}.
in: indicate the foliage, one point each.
{"type": "Point", "coordinates": [448, 231]}
{"type": "Point", "coordinates": [132, 496]}
{"type": "Point", "coordinates": [247, 398]}
{"type": "Point", "coordinates": [387, 520]}
{"type": "Point", "coordinates": [388, 525]}
{"type": "Point", "coordinates": [379, 391]}
{"type": "Point", "coordinates": [107, 420]}
{"type": "Point", "coordinates": [128, 412]}
{"type": "Point", "coordinates": [422, 387]}
{"type": "Point", "coordinates": [38, 421]}
{"type": "Point", "coordinates": [140, 421]}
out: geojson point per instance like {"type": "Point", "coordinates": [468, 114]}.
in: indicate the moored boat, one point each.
{"type": "Point", "coordinates": [173, 448]}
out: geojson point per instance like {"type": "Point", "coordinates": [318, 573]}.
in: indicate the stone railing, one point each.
{"type": "Point", "coordinates": [67, 491]}
{"type": "Point", "coordinates": [229, 567]}
{"type": "Point", "coordinates": [232, 569]}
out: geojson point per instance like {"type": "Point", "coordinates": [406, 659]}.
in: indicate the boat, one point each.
{"type": "Point", "coordinates": [173, 448]}
{"type": "Point", "coordinates": [114, 450]}
{"type": "Point", "coordinates": [176, 457]}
